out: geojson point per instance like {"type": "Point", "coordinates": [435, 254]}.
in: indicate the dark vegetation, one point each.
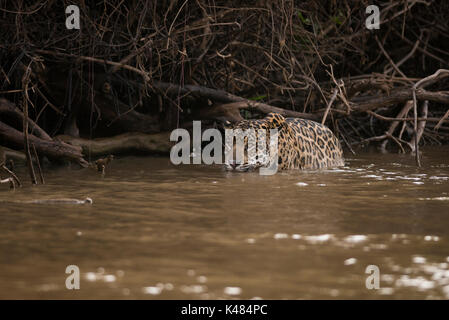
{"type": "Point", "coordinates": [138, 69]}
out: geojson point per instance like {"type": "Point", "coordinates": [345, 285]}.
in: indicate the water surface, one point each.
{"type": "Point", "coordinates": [159, 231]}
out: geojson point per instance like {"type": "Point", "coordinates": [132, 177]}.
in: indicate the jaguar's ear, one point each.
{"type": "Point", "coordinates": [274, 120]}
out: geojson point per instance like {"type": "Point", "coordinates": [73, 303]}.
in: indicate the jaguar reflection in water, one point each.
{"type": "Point", "coordinates": [267, 144]}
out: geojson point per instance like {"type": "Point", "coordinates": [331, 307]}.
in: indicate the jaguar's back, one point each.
{"type": "Point", "coordinates": [311, 146]}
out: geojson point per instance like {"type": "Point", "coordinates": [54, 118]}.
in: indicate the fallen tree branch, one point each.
{"type": "Point", "coordinates": [365, 103]}
{"type": "Point", "coordinates": [123, 143]}
{"type": "Point", "coordinates": [52, 149]}
{"type": "Point", "coordinates": [226, 97]}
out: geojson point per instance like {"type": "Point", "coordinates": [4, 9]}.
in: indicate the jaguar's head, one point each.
{"type": "Point", "coordinates": [248, 143]}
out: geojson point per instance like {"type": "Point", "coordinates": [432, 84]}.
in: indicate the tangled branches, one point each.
{"type": "Point", "coordinates": [150, 66]}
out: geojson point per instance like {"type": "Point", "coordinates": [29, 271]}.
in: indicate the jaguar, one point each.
{"type": "Point", "coordinates": [302, 144]}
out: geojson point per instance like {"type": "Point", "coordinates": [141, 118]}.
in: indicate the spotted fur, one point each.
{"type": "Point", "coordinates": [302, 144]}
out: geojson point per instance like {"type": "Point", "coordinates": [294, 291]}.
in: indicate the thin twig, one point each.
{"type": "Point", "coordinates": [41, 175]}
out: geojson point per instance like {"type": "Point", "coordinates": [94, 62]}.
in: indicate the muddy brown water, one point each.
{"type": "Point", "coordinates": [159, 231]}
